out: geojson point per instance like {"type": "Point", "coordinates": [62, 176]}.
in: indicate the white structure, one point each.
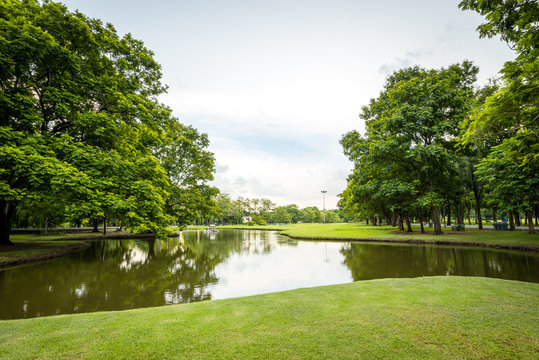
{"type": "Point", "coordinates": [246, 219]}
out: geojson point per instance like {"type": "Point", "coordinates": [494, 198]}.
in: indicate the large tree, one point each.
{"type": "Point", "coordinates": [80, 123]}
{"type": "Point", "coordinates": [509, 119]}
{"type": "Point", "coordinates": [406, 158]}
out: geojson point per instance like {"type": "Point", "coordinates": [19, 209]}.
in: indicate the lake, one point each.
{"type": "Point", "coordinates": [196, 266]}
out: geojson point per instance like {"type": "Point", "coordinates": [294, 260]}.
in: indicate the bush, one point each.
{"type": "Point", "coordinates": [262, 222]}
{"type": "Point", "coordinates": [250, 223]}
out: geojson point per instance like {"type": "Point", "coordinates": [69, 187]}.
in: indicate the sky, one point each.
{"type": "Point", "coordinates": [275, 84]}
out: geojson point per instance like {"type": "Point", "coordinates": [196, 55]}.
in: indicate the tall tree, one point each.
{"type": "Point", "coordinates": [80, 122]}
{"type": "Point", "coordinates": [510, 117]}
{"type": "Point", "coordinates": [411, 130]}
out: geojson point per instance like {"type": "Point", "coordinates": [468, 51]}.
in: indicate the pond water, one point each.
{"type": "Point", "coordinates": [125, 274]}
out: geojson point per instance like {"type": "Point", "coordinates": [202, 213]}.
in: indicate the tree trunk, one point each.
{"type": "Point", "coordinates": [493, 214]}
{"type": "Point", "coordinates": [529, 216]}
{"type": "Point", "coordinates": [367, 220]}
{"type": "Point", "coordinates": [517, 218]}
{"type": "Point", "coordinates": [408, 223]}
{"type": "Point", "coordinates": [511, 221]}
{"type": "Point", "coordinates": [421, 223]}
{"type": "Point", "coordinates": [96, 224]}
{"type": "Point", "coordinates": [448, 214]}
{"type": "Point", "coordinates": [104, 225]}
{"type": "Point", "coordinates": [7, 213]}
{"type": "Point", "coordinates": [436, 221]}
{"type": "Point", "coordinates": [46, 225]}
{"type": "Point", "coordinates": [394, 222]}
{"type": "Point", "coordinates": [477, 196]}
{"type": "Point", "coordinates": [401, 225]}
{"type": "Point", "coordinates": [479, 217]}
{"type": "Point", "coordinates": [444, 212]}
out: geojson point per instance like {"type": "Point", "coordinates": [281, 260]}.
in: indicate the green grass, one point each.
{"type": "Point", "coordinates": [348, 231]}
{"type": "Point", "coordinates": [30, 245]}
{"type": "Point", "coordinates": [435, 318]}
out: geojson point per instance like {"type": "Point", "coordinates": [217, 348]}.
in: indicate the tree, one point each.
{"type": "Point", "coordinates": [509, 120]}
{"type": "Point", "coordinates": [281, 216]}
{"type": "Point", "coordinates": [80, 124]}
{"type": "Point", "coordinates": [294, 212]}
{"type": "Point", "coordinates": [310, 214]}
{"type": "Point", "coordinates": [406, 158]}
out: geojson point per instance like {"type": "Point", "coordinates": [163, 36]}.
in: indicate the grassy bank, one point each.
{"type": "Point", "coordinates": [37, 247]}
{"type": "Point", "coordinates": [347, 231]}
{"type": "Point", "coordinates": [31, 248]}
{"type": "Point", "coordinates": [436, 317]}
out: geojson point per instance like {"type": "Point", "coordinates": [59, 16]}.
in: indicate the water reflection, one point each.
{"type": "Point", "coordinates": [375, 262]}
{"type": "Point", "coordinates": [124, 274]}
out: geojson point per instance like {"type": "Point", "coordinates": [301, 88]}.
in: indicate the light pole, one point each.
{"type": "Point", "coordinates": [324, 200]}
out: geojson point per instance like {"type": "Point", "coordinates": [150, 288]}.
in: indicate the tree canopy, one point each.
{"type": "Point", "coordinates": [434, 141]}
{"type": "Point", "coordinates": [81, 127]}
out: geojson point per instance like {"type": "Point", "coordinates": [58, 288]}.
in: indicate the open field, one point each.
{"type": "Point", "coordinates": [434, 317]}
{"type": "Point", "coordinates": [520, 240]}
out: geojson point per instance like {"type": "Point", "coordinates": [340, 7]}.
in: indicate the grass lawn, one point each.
{"type": "Point", "coordinates": [433, 317]}
{"type": "Point", "coordinates": [350, 231]}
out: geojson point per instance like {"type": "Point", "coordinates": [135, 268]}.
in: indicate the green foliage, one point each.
{"type": "Point", "coordinates": [281, 216]}
{"type": "Point", "coordinates": [508, 120]}
{"type": "Point", "coordinates": [514, 20]}
{"type": "Point", "coordinates": [83, 135]}
{"type": "Point", "coordinates": [405, 161]}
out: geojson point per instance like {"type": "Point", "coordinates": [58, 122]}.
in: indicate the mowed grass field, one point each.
{"type": "Point", "coordinates": [434, 318]}
{"type": "Point", "coordinates": [353, 231]}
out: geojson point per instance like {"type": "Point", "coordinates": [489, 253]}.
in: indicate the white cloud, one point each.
{"type": "Point", "coordinates": [276, 84]}
{"type": "Point", "coordinates": [283, 180]}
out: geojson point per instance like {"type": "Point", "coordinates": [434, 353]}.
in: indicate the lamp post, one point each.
{"type": "Point", "coordinates": [324, 200]}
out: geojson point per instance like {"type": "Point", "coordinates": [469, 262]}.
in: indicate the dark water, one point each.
{"type": "Point", "coordinates": [125, 274]}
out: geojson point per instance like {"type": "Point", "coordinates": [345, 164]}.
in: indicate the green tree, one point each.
{"type": "Point", "coordinates": [280, 215]}
{"type": "Point", "coordinates": [310, 214]}
{"type": "Point", "coordinates": [80, 124]}
{"type": "Point", "coordinates": [509, 118]}
{"type": "Point", "coordinates": [294, 212]}
{"type": "Point", "coordinates": [406, 157]}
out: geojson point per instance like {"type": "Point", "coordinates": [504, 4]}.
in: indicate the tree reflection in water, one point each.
{"type": "Point", "coordinates": [372, 261]}
{"type": "Point", "coordinates": [125, 274]}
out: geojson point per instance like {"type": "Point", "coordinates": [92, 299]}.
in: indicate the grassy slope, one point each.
{"type": "Point", "coordinates": [436, 317]}
{"type": "Point", "coordinates": [357, 231]}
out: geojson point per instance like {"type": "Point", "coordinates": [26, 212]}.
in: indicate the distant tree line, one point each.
{"type": "Point", "coordinates": [83, 138]}
{"type": "Point", "coordinates": [264, 211]}
{"type": "Point", "coordinates": [437, 147]}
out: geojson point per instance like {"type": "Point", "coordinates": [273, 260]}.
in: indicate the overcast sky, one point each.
{"type": "Point", "coordinates": [275, 84]}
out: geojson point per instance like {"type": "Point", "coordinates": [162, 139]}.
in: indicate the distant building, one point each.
{"type": "Point", "coordinates": [246, 219]}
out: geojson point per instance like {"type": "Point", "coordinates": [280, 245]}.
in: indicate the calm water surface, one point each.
{"type": "Point", "coordinates": [125, 274]}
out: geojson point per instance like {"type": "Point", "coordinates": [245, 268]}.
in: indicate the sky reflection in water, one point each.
{"type": "Point", "coordinates": [125, 274]}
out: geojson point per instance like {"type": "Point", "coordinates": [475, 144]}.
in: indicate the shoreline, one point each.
{"type": "Point", "coordinates": [80, 244]}
{"type": "Point", "coordinates": [55, 252]}
{"type": "Point", "coordinates": [527, 248]}
{"type": "Point", "coordinates": [425, 317]}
